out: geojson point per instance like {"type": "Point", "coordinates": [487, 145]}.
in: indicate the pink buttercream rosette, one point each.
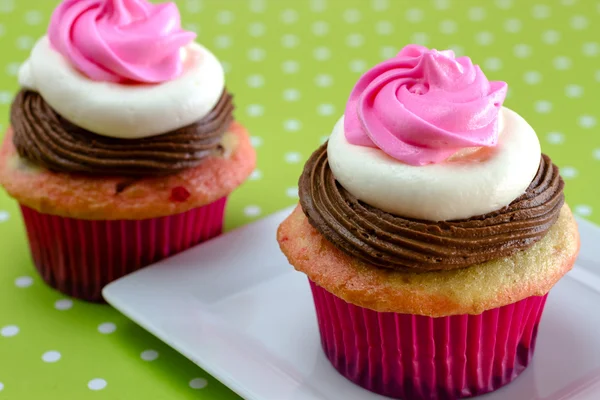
{"type": "Point", "coordinates": [423, 105]}
{"type": "Point", "coordinates": [120, 41]}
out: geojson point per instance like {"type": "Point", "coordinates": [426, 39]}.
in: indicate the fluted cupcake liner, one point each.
{"type": "Point", "coordinates": [79, 257]}
{"type": "Point", "coordinates": [414, 357]}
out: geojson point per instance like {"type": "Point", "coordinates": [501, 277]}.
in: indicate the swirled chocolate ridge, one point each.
{"type": "Point", "coordinates": [47, 139]}
{"type": "Point", "coordinates": [390, 241]}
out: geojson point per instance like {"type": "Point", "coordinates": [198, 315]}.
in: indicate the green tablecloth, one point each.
{"type": "Point", "coordinates": [291, 65]}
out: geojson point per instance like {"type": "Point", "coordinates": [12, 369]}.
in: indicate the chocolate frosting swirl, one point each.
{"type": "Point", "coordinates": [44, 137]}
{"type": "Point", "coordinates": [394, 242]}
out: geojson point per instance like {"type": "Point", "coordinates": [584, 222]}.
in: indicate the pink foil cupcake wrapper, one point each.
{"type": "Point", "coordinates": [414, 357]}
{"type": "Point", "coordinates": [79, 257]}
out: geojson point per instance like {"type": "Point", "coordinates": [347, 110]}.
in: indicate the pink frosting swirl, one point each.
{"type": "Point", "coordinates": [120, 40]}
{"type": "Point", "coordinates": [423, 105]}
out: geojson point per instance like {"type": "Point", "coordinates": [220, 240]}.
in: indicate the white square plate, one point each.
{"type": "Point", "coordinates": [235, 307]}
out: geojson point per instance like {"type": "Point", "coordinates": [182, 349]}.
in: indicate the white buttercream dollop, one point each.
{"type": "Point", "coordinates": [125, 111]}
{"type": "Point", "coordinates": [471, 183]}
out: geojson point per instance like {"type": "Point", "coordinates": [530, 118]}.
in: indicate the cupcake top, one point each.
{"type": "Point", "coordinates": [117, 87]}
{"type": "Point", "coordinates": [427, 170]}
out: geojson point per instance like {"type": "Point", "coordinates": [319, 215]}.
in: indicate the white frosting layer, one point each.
{"type": "Point", "coordinates": [125, 111]}
{"type": "Point", "coordinates": [471, 183]}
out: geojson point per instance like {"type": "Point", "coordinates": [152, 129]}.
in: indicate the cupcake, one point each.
{"type": "Point", "coordinates": [122, 148]}
{"type": "Point", "coordinates": [431, 228]}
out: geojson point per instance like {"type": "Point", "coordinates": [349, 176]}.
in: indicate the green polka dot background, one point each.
{"type": "Point", "coordinates": [291, 65]}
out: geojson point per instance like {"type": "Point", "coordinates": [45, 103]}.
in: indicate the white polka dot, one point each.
{"type": "Point", "coordinates": [25, 42]}
{"type": "Point", "coordinates": [569, 172]}
{"type": "Point", "coordinates": [291, 94]}
{"type": "Point", "coordinates": [504, 4]}
{"type": "Point", "coordinates": [192, 27]}
{"type": "Point", "coordinates": [388, 52]}
{"type": "Point", "coordinates": [256, 141]}
{"type": "Point", "coordinates": [97, 384]}
{"type": "Point", "coordinates": [258, 6]}
{"type": "Point", "coordinates": [590, 49]}
{"type": "Point", "coordinates": [441, 4]}
{"type": "Point", "coordinates": [63, 304]}
{"type": "Point", "coordinates": [107, 328]}
{"type": "Point", "coordinates": [551, 36]}
{"type": "Point", "coordinates": [193, 6]}
{"type": "Point", "coordinates": [255, 110]}
{"type": "Point", "coordinates": [448, 27]}
{"type": "Point", "coordinates": [292, 192]}
{"type": "Point", "coordinates": [289, 40]}
{"type": "Point", "coordinates": [290, 66]}
{"type": "Point", "coordinates": [587, 121]}
{"type": "Point", "coordinates": [573, 91]}
{"type": "Point", "coordinates": [414, 15]}
{"type": "Point", "coordinates": [355, 40]}
{"type": "Point", "coordinates": [292, 158]}
{"type": "Point", "coordinates": [352, 16]}
{"type": "Point", "coordinates": [289, 16]}
{"type": "Point", "coordinates": [325, 109]}
{"type": "Point", "coordinates": [597, 75]}
{"type": "Point", "coordinates": [484, 38]}
{"type": "Point", "coordinates": [583, 210]}
{"type": "Point", "coordinates": [532, 77]}
{"type": "Point", "coordinates": [7, 6]}
{"type": "Point", "coordinates": [323, 80]}
{"type": "Point", "coordinates": [420, 38]}
{"type": "Point", "coordinates": [322, 53]}
{"type": "Point", "coordinates": [318, 5]}
{"type": "Point", "coordinates": [320, 28]}
{"type": "Point", "coordinates": [225, 17]}
{"type": "Point", "coordinates": [476, 13]}
{"type": "Point", "coordinates": [579, 22]}
{"type": "Point", "coordinates": [1, 386]}
{"type": "Point", "coordinates": [149, 355]}
{"type": "Point", "coordinates": [568, 2]}
{"type": "Point", "coordinates": [257, 29]}
{"type": "Point", "coordinates": [223, 41]}
{"type": "Point", "coordinates": [540, 11]}
{"type": "Point", "coordinates": [562, 63]}
{"type": "Point", "coordinates": [513, 25]}
{"type": "Point", "coordinates": [522, 50]}
{"type": "Point", "coordinates": [9, 331]}
{"type": "Point", "coordinates": [292, 125]}
{"type": "Point", "coordinates": [252, 211]}
{"type": "Point", "coordinates": [493, 64]}
{"type": "Point", "coordinates": [23, 281]}
{"type": "Point", "coordinates": [12, 68]}
{"type": "Point", "coordinates": [256, 54]}
{"type": "Point", "coordinates": [381, 5]}
{"type": "Point", "coordinates": [457, 49]}
{"type": "Point", "coordinates": [323, 139]}
{"type": "Point", "coordinates": [2, 30]}
{"type": "Point", "coordinates": [256, 175]}
{"type": "Point", "coordinates": [198, 383]}
{"type": "Point", "coordinates": [5, 97]}
{"type": "Point", "coordinates": [543, 106]}
{"type": "Point", "coordinates": [33, 17]}
{"type": "Point", "coordinates": [358, 66]}
{"type": "Point", "coordinates": [226, 66]}
{"type": "Point", "coordinates": [51, 356]}
{"type": "Point", "coordinates": [596, 154]}
{"type": "Point", "coordinates": [255, 81]}
{"type": "Point", "coordinates": [555, 138]}
{"type": "Point", "coordinates": [384, 28]}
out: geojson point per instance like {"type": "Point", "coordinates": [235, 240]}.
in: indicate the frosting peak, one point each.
{"type": "Point", "coordinates": [120, 40]}
{"type": "Point", "coordinates": [423, 105]}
